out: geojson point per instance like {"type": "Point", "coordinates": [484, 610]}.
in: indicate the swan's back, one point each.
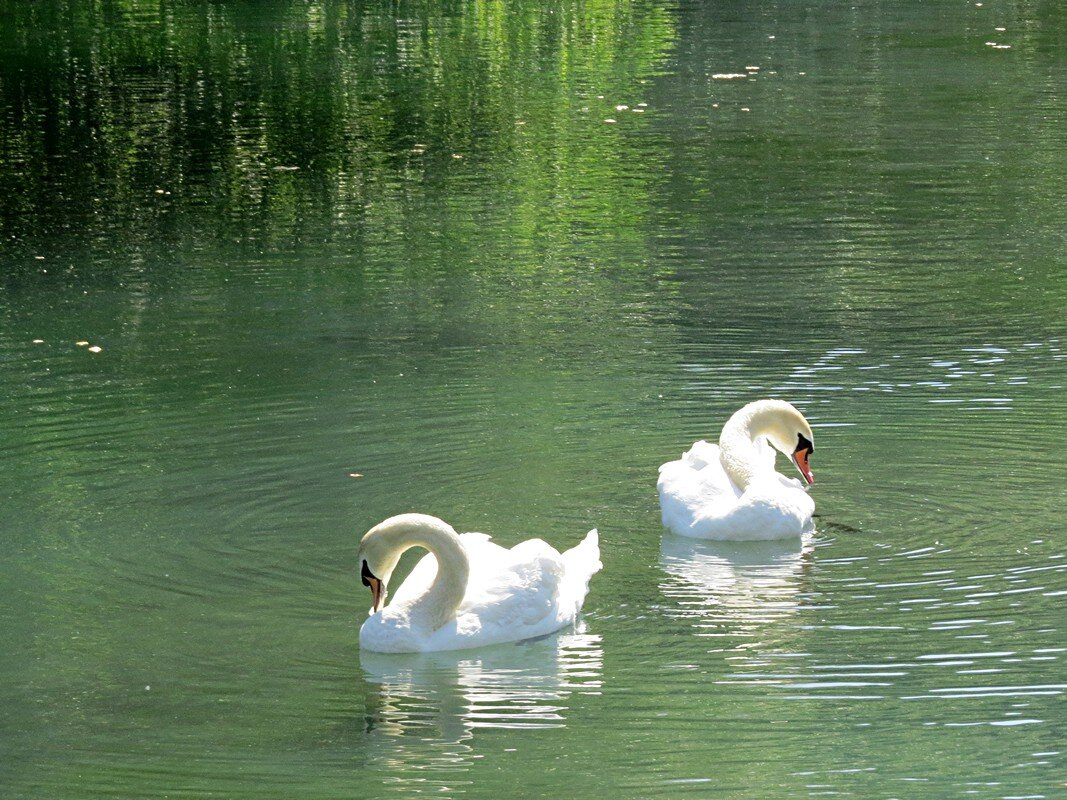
{"type": "Point", "coordinates": [532, 588]}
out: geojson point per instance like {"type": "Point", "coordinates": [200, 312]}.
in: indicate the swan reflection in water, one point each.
{"type": "Point", "coordinates": [446, 696]}
{"type": "Point", "coordinates": [733, 589]}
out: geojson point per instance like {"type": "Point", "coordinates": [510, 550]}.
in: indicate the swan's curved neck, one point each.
{"type": "Point", "coordinates": [439, 602]}
{"type": "Point", "coordinates": [741, 452]}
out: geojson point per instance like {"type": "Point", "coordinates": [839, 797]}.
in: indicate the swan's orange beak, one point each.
{"type": "Point", "coordinates": [377, 595]}
{"type": "Point", "coordinates": [377, 588]}
{"type": "Point", "coordinates": [800, 458]}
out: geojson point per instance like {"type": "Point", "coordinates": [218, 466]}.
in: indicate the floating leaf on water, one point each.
{"type": "Point", "coordinates": [728, 76]}
{"type": "Point", "coordinates": [95, 349]}
{"type": "Point", "coordinates": [82, 344]}
{"type": "Point", "coordinates": [621, 108]}
{"type": "Point", "coordinates": [355, 474]}
{"type": "Point", "coordinates": [609, 121]}
{"type": "Point", "coordinates": [38, 341]}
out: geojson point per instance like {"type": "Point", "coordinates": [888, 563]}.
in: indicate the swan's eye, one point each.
{"type": "Point", "coordinates": [803, 443]}
{"type": "Point", "coordinates": [365, 575]}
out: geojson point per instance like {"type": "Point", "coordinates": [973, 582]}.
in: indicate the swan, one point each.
{"type": "Point", "coordinates": [467, 591]}
{"type": "Point", "coordinates": [731, 490]}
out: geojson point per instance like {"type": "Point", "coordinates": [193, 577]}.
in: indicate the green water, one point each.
{"type": "Point", "coordinates": [404, 241]}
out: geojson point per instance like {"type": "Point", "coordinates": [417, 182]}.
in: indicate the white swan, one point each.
{"type": "Point", "coordinates": [468, 591]}
{"type": "Point", "coordinates": [731, 491]}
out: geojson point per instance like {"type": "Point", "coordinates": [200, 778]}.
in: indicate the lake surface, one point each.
{"type": "Point", "coordinates": [272, 272]}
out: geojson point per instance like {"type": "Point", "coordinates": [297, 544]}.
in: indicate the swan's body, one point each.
{"type": "Point", "coordinates": [467, 591]}
{"type": "Point", "coordinates": [731, 490]}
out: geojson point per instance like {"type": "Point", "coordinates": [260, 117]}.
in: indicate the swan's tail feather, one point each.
{"type": "Point", "coordinates": [585, 556]}
{"type": "Point", "coordinates": [581, 563]}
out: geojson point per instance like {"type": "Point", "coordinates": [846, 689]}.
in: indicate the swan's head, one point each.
{"type": "Point", "coordinates": [790, 433]}
{"type": "Point", "coordinates": [378, 590]}
{"type": "Point", "coordinates": [377, 558]}
{"type": "Point", "coordinates": [381, 547]}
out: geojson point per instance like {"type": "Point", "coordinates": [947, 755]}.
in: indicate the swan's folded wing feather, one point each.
{"type": "Point", "coordinates": [509, 588]}
{"type": "Point", "coordinates": [700, 455]}
{"type": "Point", "coordinates": [694, 482]}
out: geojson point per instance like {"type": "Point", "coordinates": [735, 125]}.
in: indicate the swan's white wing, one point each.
{"type": "Point", "coordinates": [515, 594]}
{"type": "Point", "coordinates": [694, 486]}
{"type": "Point", "coordinates": [511, 587]}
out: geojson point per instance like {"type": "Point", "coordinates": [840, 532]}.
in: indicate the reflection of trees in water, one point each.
{"type": "Point", "coordinates": [734, 589]}
{"type": "Point", "coordinates": [448, 695]}
{"type": "Point", "coordinates": [269, 123]}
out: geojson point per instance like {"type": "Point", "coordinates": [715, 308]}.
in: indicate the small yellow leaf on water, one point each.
{"type": "Point", "coordinates": [355, 474]}
{"type": "Point", "coordinates": [38, 341]}
{"type": "Point", "coordinates": [95, 349]}
{"type": "Point", "coordinates": [82, 344]}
